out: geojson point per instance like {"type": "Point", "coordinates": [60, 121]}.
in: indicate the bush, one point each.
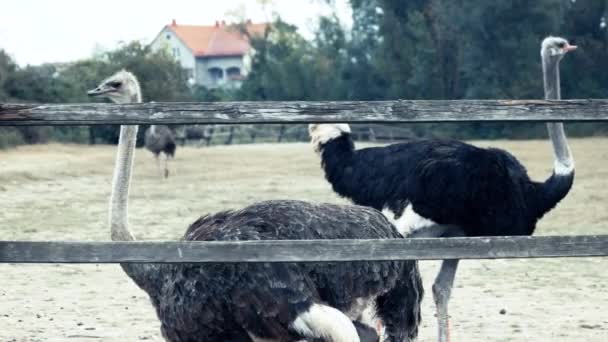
{"type": "Point", "coordinates": [35, 135]}
{"type": "Point", "coordinates": [78, 135]}
{"type": "Point", "coordinates": [10, 137]}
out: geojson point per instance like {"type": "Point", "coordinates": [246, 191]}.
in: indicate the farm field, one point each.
{"type": "Point", "coordinates": [60, 192]}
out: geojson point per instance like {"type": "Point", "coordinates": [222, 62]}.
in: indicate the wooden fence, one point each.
{"type": "Point", "coordinates": [304, 112]}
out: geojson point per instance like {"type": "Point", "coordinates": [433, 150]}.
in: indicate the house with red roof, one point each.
{"type": "Point", "coordinates": [214, 56]}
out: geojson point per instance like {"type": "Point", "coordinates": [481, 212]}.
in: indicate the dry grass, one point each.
{"type": "Point", "coordinates": [60, 192]}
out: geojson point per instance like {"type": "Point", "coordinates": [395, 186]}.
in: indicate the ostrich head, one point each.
{"type": "Point", "coordinates": [122, 87]}
{"type": "Point", "coordinates": [322, 133]}
{"type": "Point", "coordinates": [555, 48]}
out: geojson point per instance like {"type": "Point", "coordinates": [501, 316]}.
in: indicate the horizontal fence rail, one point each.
{"type": "Point", "coordinates": [303, 250]}
{"type": "Point", "coordinates": [304, 112]}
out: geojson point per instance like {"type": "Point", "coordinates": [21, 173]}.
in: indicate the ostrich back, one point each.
{"type": "Point", "coordinates": [224, 301]}
{"type": "Point", "coordinates": [159, 139]}
{"type": "Point", "coordinates": [485, 191]}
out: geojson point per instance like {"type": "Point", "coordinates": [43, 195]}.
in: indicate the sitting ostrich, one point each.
{"type": "Point", "coordinates": [159, 139]}
{"type": "Point", "coordinates": [268, 301]}
{"type": "Point", "coordinates": [438, 188]}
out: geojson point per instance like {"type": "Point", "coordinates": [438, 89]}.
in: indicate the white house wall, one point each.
{"type": "Point", "coordinates": [224, 63]}
{"type": "Point", "coordinates": [168, 41]}
{"type": "Point", "coordinates": [248, 61]}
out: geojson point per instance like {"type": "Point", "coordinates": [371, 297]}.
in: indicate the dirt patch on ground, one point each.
{"type": "Point", "coordinates": [60, 192]}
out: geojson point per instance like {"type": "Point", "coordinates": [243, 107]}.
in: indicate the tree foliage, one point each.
{"type": "Point", "coordinates": [7, 68]}
{"type": "Point", "coordinates": [280, 66]}
{"type": "Point", "coordinates": [395, 49]}
{"type": "Point", "coordinates": [161, 78]}
{"type": "Point", "coordinates": [438, 49]}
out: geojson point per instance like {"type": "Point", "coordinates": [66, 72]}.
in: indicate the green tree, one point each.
{"type": "Point", "coordinates": [585, 23]}
{"type": "Point", "coordinates": [161, 78]}
{"type": "Point", "coordinates": [7, 68]}
{"type": "Point", "coordinates": [415, 49]}
{"type": "Point", "coordinates": [9, 136]}
{"type": "Point", "coordinates": [280, 66]}
{"type": "Point", "coordinates": [586, 75]}
{"type": "Point", "coordinates": [452, 49]}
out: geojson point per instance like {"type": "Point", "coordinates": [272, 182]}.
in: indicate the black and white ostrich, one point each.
{"type": "Point", "coordinates": [268, 301]}
{"type": "Point", "coordinates": [442, 188]}
{"type": "Point", "coordinates": [160, 139]}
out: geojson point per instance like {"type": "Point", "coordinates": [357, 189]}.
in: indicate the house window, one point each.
{"type": "Point", "coordinates": [234, 73]}
{"type": "Point", "coordinates": [168, 36]}
{"type": "Point", "coordinates": [176, 52]}
{"type": "Point", "coordinates": [216, 74]}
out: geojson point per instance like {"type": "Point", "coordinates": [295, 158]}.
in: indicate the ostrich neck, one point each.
{"type": "Point", "coordinates": [564, 163]}
{"type": "Point", "coordinates": [119, 199]}
{"type": "Point", "coordinates": [144, 275]}
{"type": "Point", "coordinates": [337, 157]}
{"type": "Point", "coordinates": [551, 79]}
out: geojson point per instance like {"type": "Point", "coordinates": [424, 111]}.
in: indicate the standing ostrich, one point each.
{"type": "Point", "coordinates": [159, 138]}
{"type": "Point", "coordinates": [438, 188]}
{"type": "Point", "coordinates": [268, 301]}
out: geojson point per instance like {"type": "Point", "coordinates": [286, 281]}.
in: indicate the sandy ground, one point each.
{"type": "Point", "coordinates": [59, 192]}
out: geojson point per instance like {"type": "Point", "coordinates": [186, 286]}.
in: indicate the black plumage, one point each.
{"type": "Point", "coordinates": [485, 192]}
{"type": "Point", "coordinates": [225, 302]}
{"type": "Point", "coordinates": [443, 188]}
{"type": "Point", "coordinates": [160, 139]}
{"type": "Point", "coordinates": [274, 301]}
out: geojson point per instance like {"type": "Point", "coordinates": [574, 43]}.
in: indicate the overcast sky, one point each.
{"type": "Point", "coordinates": [40, 31]}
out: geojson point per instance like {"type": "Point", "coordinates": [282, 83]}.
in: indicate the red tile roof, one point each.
{"type": "Point", "coordinates": [216, 40]}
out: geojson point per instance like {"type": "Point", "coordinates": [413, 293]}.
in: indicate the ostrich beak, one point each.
{"type": "Point", "coordinates": [101, 90]}
{"type": "Point", "coordinates": [569, 48]}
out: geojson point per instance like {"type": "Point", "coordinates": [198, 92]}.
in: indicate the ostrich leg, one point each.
{"type": "Point", "coordinates": [157, 160]}
{"type": "Point", "coordinates": [442, 289]}
{"type": "Point", "coordinates": [166, 166]}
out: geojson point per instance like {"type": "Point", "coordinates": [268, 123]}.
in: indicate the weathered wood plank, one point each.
{"type": "Point", "coordinates": [303, 112]}
{"type": "Point", "coordinates": [306, 251]}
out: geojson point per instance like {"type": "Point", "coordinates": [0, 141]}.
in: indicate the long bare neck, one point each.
{"type": "Point", "coordinates": [119, 199]}
{"type": "Point", "coordinates": [564, 163]}
{"type": "Point", "coordinates": [144, 275]}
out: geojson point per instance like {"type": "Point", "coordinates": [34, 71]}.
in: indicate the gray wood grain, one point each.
{"type": "Point", "coordinates": [308, 251]}
{"type": "Point", "coordinates": [303, 112]}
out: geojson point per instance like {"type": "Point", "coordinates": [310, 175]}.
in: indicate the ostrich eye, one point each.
{"type": "Point", "coordinates": [561, 45]}
{"type": "Point", "coordinates": [115, 84]}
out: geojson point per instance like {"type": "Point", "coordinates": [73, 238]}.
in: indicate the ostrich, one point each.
{"type": "Point", "coordinates": [438, 188]}
{"type": "Point", "coordinates": [268, 301]}
{"type": "Point", "coordinates": [159, 138]}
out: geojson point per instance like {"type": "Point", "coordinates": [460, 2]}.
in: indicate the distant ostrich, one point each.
{"type": "Point", "coordinates": [268, 301]}
{"type": "Point", "coordinates": [199, 133]}
{"type": "Point", "coordinates": [159, 139]}
{"type": "Point", "coordinates": [438, 188]}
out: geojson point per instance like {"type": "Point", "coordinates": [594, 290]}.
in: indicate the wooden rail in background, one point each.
{"type": "Point", "coordinates": [304, 112]}
{"type": "Point", "coordinates": [303, 250]}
